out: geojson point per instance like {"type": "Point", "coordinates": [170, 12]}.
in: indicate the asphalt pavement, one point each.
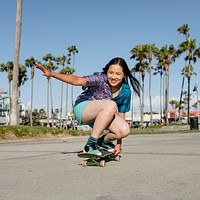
{"type": "Point", "coordinates": [152, 167]}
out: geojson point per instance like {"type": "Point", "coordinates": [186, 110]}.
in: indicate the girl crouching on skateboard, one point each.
{"type": "Point", "coordinates": [103, 103]}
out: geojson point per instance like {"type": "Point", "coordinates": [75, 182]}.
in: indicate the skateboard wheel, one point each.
{"type": "Point", "coordinates": [84, 163]}
{"type": "Point", "coordinates": [102, 163]}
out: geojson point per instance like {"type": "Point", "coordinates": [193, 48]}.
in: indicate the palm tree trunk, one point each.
{"type": "Point", "coordinates": [161, 98]}
{"type": "Point", "coordinates": [48, 103]}
{"type": "Point", "coordinates": [163, 110]}
{"type": "Point", "coordinates": [142, 106]}
{"type": "Point", "coordinates": [168, 94]}
{"type": "Point", "coordinates": [31, 117]}
{"type": "Point", "coordinates": [132, 109]}
{"type": "Point", "coordinates": [180, 101]}
{"type": "Point", "coordinates": [66, 109]}
{"type": "Point", "coordinates": [18, 105]}
{"type": "Point", "coordinates": [150, 100]}
{"type": "Point", "coordinates": [9, 93]}
{"type": "Point", "coordinates": [14, 117]}
{"type": "Point", "coordinates": [165, 103]}
{"type": "Point", "coordinates": [51, 96]}
{"type": "Point", "coordinates": [188, 113]}
{"type": "Point", "coordinates": [167, 97]}
{"type": "Point", "coordinates": [61, 102]}
{"type": "Point", "coordinates": [140, 100]}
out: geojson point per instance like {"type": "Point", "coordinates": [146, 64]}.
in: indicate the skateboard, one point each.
{"type": "Point", "coordinates": [96, 160]}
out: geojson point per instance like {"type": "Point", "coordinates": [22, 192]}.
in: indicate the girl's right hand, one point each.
{"type": "Point", "coordinates": [118, 149]}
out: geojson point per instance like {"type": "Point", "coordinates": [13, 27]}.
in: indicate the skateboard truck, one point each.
{"type": "Point", "coordinates": [98, 160]}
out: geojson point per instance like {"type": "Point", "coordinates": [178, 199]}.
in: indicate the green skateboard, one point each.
{"type": "Point", "coordinates": [96, 160]}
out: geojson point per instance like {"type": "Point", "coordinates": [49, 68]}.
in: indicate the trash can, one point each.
{"type": "Point", "coordinates": [194, 125]}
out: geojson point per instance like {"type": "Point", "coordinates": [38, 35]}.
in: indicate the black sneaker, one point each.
{"type": "Point", "coordinates": [92, 148]}
{"type": "Point", "coordinates": [108, 146]}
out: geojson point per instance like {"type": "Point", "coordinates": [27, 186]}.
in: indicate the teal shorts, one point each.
{"type": "Point", "coordinates": [78, 111]}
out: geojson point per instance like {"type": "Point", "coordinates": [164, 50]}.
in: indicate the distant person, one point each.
{"type": "Point", "coordinates": [103, 103]}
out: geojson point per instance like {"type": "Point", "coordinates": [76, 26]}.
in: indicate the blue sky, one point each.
{"type": "Point", "coordinates": [100, 30]}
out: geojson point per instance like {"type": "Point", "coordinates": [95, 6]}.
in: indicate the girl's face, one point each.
{"type": "Point", "coordinates": [115, 75]}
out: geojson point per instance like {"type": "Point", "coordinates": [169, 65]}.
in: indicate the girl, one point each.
{"type": "Point", "coordinates": [103, 103]}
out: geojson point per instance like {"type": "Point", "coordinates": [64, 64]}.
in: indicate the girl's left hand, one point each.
{"type": "Point", "coordinates": [46, 72]}
{"type": "Point", "coordinates": [118, 149]}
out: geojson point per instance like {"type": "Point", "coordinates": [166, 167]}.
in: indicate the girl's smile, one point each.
{"type": "Point", "coordinates": [115, 75]}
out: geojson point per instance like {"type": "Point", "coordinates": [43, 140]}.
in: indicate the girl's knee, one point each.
{"type": "Point", "coordinates": [125, 131]}
{"type": "Point", "coordinates": [111, 106]}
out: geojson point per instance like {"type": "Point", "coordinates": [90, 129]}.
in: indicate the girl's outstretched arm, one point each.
{"type": "Point", "coordinates": [68, 78]}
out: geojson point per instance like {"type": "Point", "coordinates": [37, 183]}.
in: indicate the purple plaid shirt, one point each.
{"type": "Point", "coordinates": [97, 88]}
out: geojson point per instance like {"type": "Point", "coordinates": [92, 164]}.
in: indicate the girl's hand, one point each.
{"type": "Point", "coordinates": [117, 149]}
{"type": "Point", "coordinates": [46, 72]}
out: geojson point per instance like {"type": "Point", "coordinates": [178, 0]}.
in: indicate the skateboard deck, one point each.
{"type": "Point", "coordinates": [97, 160]}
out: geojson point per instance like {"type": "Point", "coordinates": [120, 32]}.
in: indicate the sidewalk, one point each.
{"type": "Point", "coordinates": [152, 167]}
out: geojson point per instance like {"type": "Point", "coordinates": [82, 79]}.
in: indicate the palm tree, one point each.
{"type": "Point", "coordinates": [61, 60]}
{"type": "Point", "coordinates": [159, 70]}
{"type": "Point", "coordinates": [56, 111]}
{"type": "Point", "coordinates": [67, 70]}
{"type": "Point", "coordinates": [30, 62]}
{"type": "Point", "coordinates": [139, 52]}
{"type": "Point", "coordinates": [42, 113]}
{"type": "Point", "coordinates": [166, 56]}
{"type": "Point", "coordinates": [14, 117]}
{"type": "Point", "coordinates": [173, 103]}
{"type": "Point", "coordinates": [72, 50]}
{"type": "Point", "coordinates": [151, 50]}
{"type": "Point", "coordinates": [193, 53]}
{"type": "Point", "coordinates": [185, 31]}
{"type": "Point", "coordinates": [185, 100]}
{"type": "Point", "coordinates": [8, 67]}
{"type": "Point", "coordinates": [21, 81]}
{"type": "Point", "coordinates": [132, 99]}
{"type": "Point", "coordinates": [195, 105]}
{"type": "Point", "coordinates": [49, 65]}
{"type": "Point", "coordinates": [22, 78]}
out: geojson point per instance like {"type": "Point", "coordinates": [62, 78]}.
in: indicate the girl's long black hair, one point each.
{"type": "Point", "coordinates": [121, 62]}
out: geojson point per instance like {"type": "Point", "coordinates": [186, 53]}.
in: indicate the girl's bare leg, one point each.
{"type": "Point", "coordinates": [119, 129]}
{"type": "Point", "coordinates": [101, 113]}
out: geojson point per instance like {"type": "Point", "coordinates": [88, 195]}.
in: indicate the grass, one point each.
{"type": "Point", "coordinates": [13, 132]}
{"type": "Point", "coordinates": [158, 130]}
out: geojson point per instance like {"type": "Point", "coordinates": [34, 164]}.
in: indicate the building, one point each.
{"type": "Point", "coordinates": [4, 104]}
{"type": "Point", "coordinates": [5, 108]}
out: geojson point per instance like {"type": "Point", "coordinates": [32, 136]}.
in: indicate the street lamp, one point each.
{"type": "Point", "coordinates": [195, 89]}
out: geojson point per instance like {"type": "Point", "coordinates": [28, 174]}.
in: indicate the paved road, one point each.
{"type": "Point", "coordinates": [152, 167]}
